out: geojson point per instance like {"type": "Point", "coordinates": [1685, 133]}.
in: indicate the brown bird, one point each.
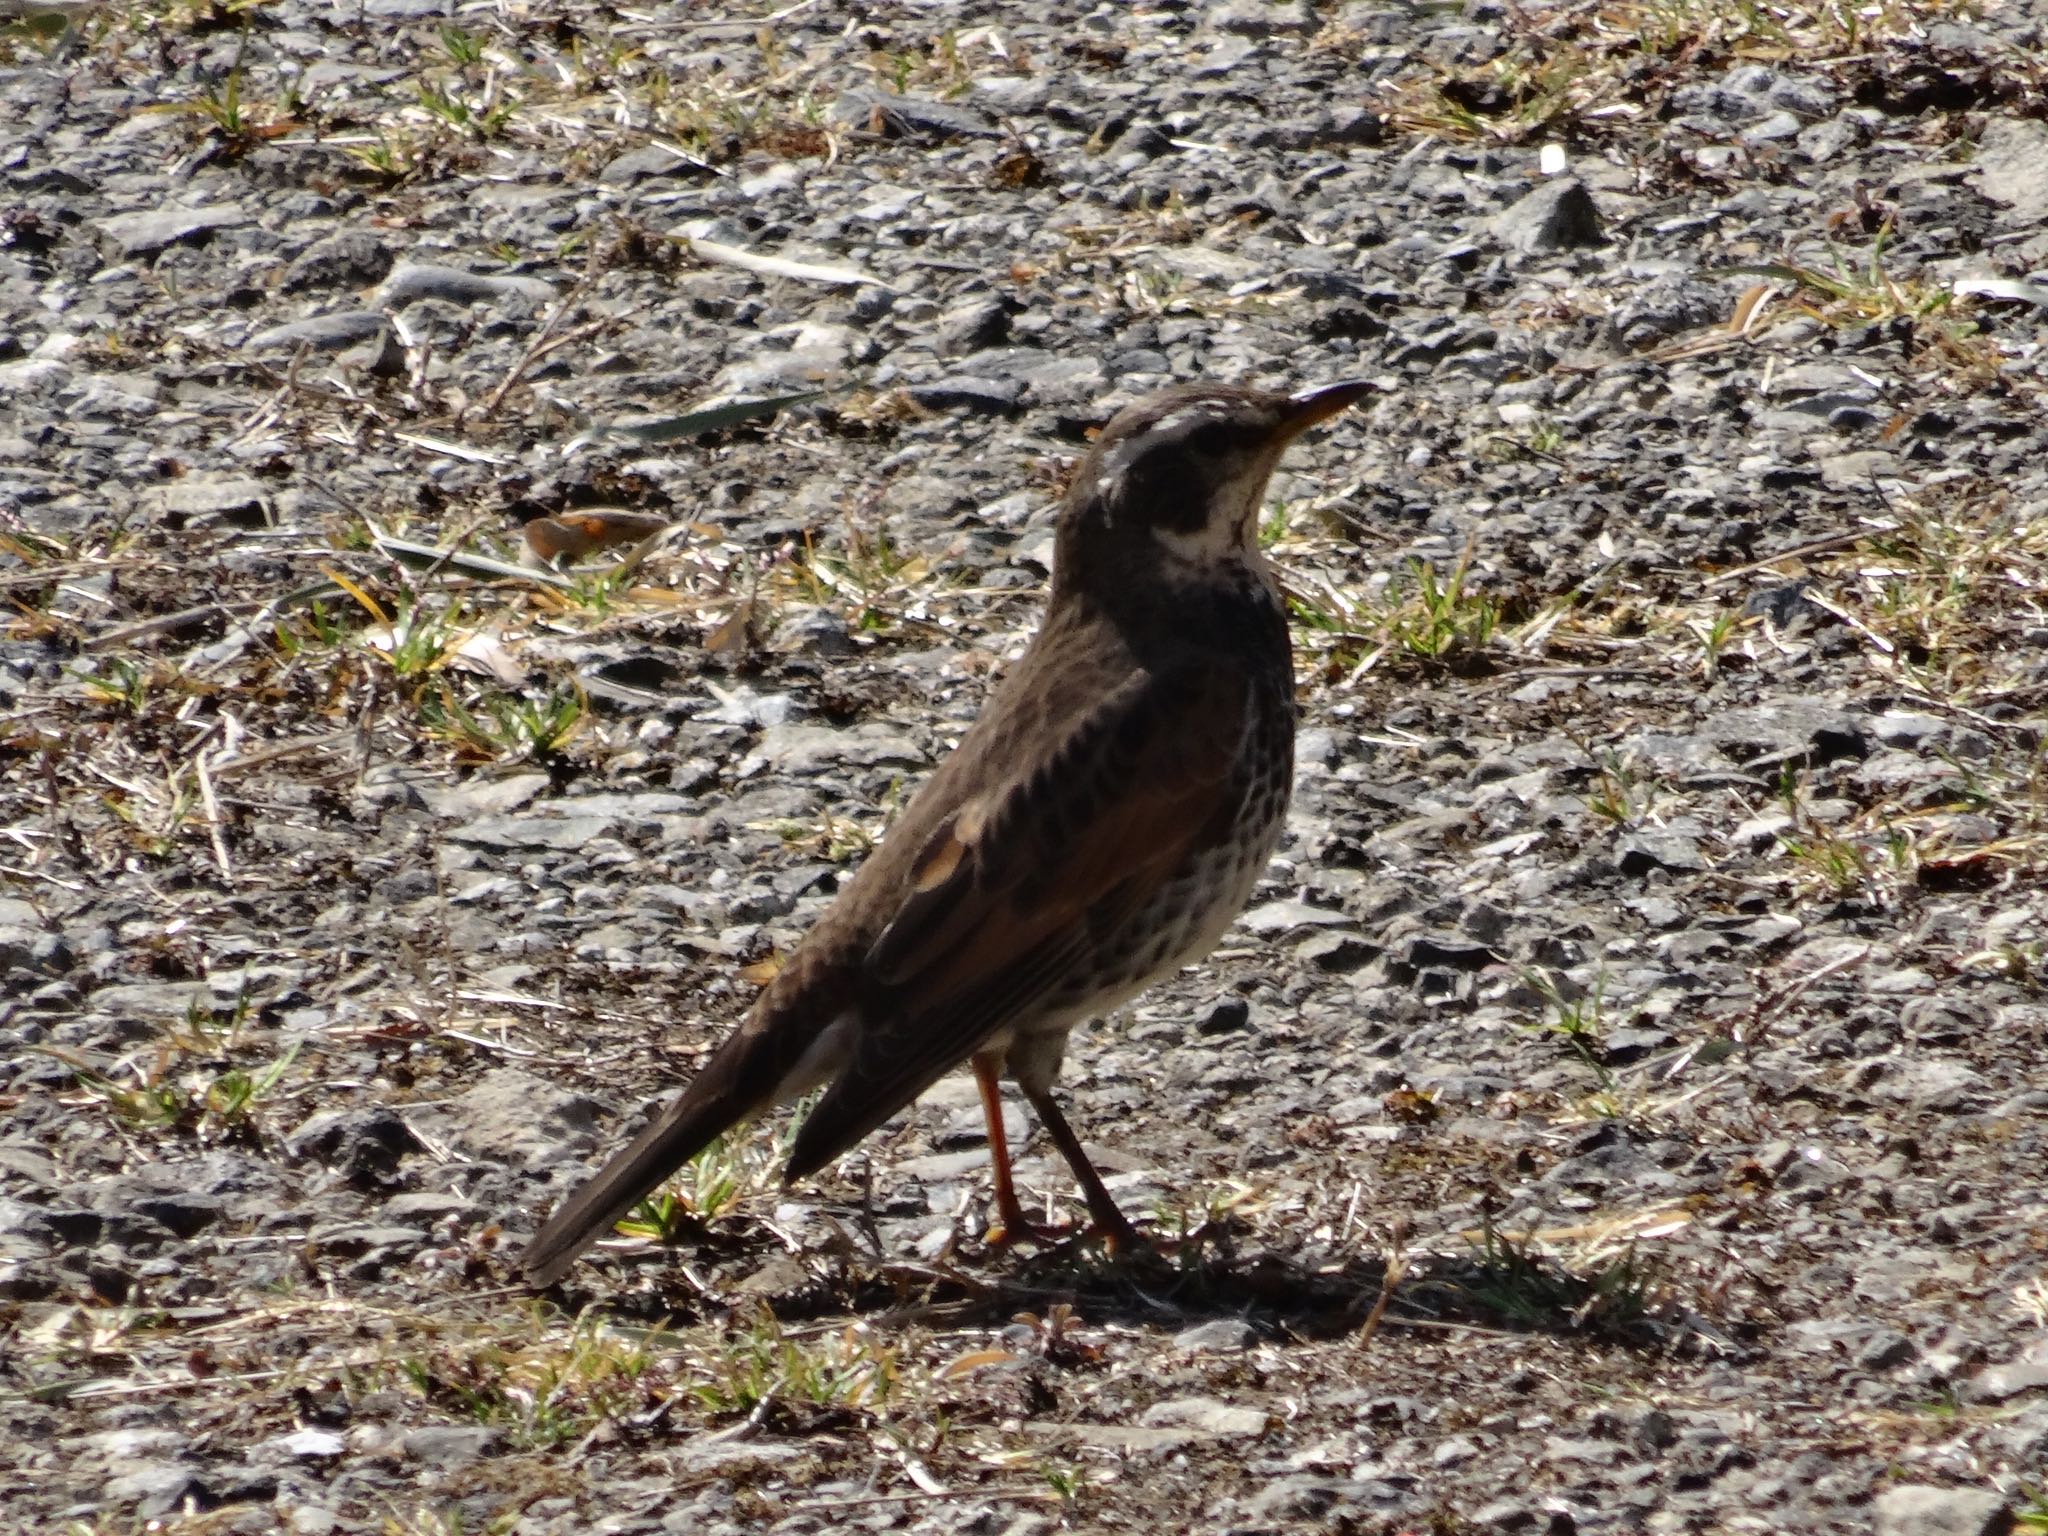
{"type": "Point", "coordinates": [1098, 827]}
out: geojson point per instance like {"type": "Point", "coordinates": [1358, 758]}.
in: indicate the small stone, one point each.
{"type": "Point", "coordinates": [1996, 1383]}
{"type": "Point", "coordinates": [979, 396]}
{"type": "Point", "coordinates": [1557, 216]}
{"type": "Point", "coordinates": [1885, 1348]}
{"type": "Point", "coordinates": [1504, 1515]}
{"type": "Point", "coordinates": [1230, 1015]}
{"type": "Point", "coordinates": [1444, 950]}
{"type": "Point", "coordinates": [649, 161]}
{"type": "Point", "coordinates": [1658, 849]}
{"type": "Point", "coordinates": [804, 750]}
{"type": "Point", "coordinates": [974, 324]}
{"type": "Point", "coordinates": [1333, 950]}
{"type": "Point", "coordinates": [1224, 1333]}
{"type": "Point", "coordinates": [236, 501]}
{"type": "Point", "coordinates": [1783, 606]}
{"type": "Point", "coordinates": [416, 280]}
{"type": "Point", "coordinates": [347, 258]}
{"type": "Point", "coordinates": [1260, 18]}
{"type": "Point", "coordinates": [154, 1488]}
{"type": "Point", "coordinates": [1280, 916]}
{"type": "Point", "coordinates": [1453, 1450]}
{"type": "Point", "coordinates": [144, 234]}
{"type": "Point", "coordinates": [323, 333]}
{"type": "Point", "coordinates": [1206, 1417]}
{"type": "Point", "coordinates": [309, 1443]}
{"type": "Point", "coordinates": [2007, 169]}
{"type": "Point", "coordinates": [451, 1445]}
{"type": "Point", "coordinates": [1920, 1509]}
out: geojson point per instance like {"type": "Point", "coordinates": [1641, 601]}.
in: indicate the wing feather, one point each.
{"type": "Point", "coordinates": [1012, 893]}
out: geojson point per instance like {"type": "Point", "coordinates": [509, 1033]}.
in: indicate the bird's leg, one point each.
{"type": "Point", "coordinates": [1117, 1234]}
{"type": "Point", "coordinates": [1011, 1222]}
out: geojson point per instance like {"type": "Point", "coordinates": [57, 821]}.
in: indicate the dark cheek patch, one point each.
{"type": "Point", "coordinates": [1173, 495]}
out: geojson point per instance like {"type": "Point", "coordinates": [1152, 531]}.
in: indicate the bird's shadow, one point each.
{"type": "Point", "coordinates": [1275, 1295]}
{"type": "Point", "coordinates": [1305, 1297]}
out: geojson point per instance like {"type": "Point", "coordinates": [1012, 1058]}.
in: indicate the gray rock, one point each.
{"type": "Point", "coordinates": [560, 833]}
{"type": "Point", "coordinates": [1260, 18]}
{"type": "Point", "coordinates": [974, 324]}
{"type": "Point", "coordinates": [514, 1117]}
{"type": "Point", "coordinates": [145, 234]}
{"type": "Point", "coordinates": [483, 797]}
{"type": "Point", "coordinates": [367, 1142]}
{"type": "Point", "coordinates": [240, 502]}
{"type": "Point", "coordinates": [307, 1444]}
{"type": "Point", "coordinates": [647, 161]}
{"type": "Point", "coordinates": [903, 116]}
{"type": "Point", "coordinates": [2007, 169]}
{"type": "Point", "coordinates": [323, 333]}
{"type": "Point", "coordinates": [413, 281]}
{"type": "Point", "coordinates": [2026, 1373]}
{"type": "Point", "coordinates": [348, 257]}
{"type": "Point", "coordinates": [1925, 1082]}
{"type": "Point", "coordinates": [1920, 1509]}
{"type": "Point", "coordinates": [1336, 951]}
{"type": "Point", "coordinates": [1658, 848]}
{"type": "Point", "coordinates": [1206, 1418]}
{"type": "Point", "coordinates": [1222, 1334]}
{"type": "Point", "coordinates": [154, 1488]}
{"type": "Point", "coordinates": [451, 1445]}
{"type": "Point", "coordinates": [1282, 916]}
{"type": "Point", "coordinates": [1557, 216]}
{"type": "Point", "coordinates": [812, 749]}
{"type": "Point", "coordinates": [354, 1239]}
{"type": "Point", "coordinates": [966, 392]}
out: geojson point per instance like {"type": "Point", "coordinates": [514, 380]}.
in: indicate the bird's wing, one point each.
{"type": "Point", "coordinates": [1017, 886]}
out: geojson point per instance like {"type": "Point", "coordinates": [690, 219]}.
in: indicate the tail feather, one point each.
{"type": "Point", "coordinates": [676, 1135]}
{"type": "Point", "coordinates": [799, 1036]}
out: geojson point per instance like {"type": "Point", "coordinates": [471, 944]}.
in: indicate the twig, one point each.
{"type": "Point", "coordinates": [543, 343]}
{"type": "Point", "coordinates": [1799, 551]}
{"type": "Point", "coordinates": [206, 798]}
{"type": "Point", "coordinates": [36, 874]}
{"type": "Point", "coordinates": [1390, 1280]}
{"type": "Point", "coordinates": [1775, 1002]}
{"type": "Point", "coordinates": [1008, 1495]}
{"type": "Point", "coordinates": [1828, 605]}
{"type": "Point", "coordinates": [243, 761]}
{"type": "Point", "coordinates": [184, 616]}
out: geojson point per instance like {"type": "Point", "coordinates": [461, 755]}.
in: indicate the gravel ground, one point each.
{"type": "Point", "coordinates": [1623, 1108]}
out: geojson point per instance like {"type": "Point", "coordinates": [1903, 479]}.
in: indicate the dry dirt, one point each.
{"type": "Point", "coordinates": [1624, 1107]}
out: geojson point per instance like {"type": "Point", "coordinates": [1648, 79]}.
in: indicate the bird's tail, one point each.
{"type": "Point", "coordinates": [676, 1135]}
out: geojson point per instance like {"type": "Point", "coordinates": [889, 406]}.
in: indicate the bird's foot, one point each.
{"type": "Point", "coordinates": [1008, 1232]}
{"type": "Point", "coordinates": [1120, 1240]}
{"type": "Point", "coordinates": [1012, 1226]}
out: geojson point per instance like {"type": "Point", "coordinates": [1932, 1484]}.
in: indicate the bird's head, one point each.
{"type": "Point", "coordinates": [1175, 481]}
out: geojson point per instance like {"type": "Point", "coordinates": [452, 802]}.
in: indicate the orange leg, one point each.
{"type": "Point", "coordinates": [1011, 1222]}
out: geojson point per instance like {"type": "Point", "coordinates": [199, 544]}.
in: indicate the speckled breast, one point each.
{"type": "Point", "coordinates": [1193, 908]}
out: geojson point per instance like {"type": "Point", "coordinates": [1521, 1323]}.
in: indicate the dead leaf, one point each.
{"type": "Point", "coordinates": [572, 535]}
{"type": "Point", "coordinates": [974, 1360]}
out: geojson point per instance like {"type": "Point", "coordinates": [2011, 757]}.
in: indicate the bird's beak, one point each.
{"type": "Point", "coordinates": [1313, 405]}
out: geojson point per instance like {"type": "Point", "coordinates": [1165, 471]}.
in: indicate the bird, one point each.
{"type": "Point", "coordinates": [1099, 826]}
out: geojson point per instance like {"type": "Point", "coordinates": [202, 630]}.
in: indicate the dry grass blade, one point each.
{"type": "Point", "coordinates": [780, 266]}
{"type": "Point", "coordinates": [696, 423]}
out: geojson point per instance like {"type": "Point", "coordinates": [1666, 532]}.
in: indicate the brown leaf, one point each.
{"type": "Point", "coordinates": [576, 534]}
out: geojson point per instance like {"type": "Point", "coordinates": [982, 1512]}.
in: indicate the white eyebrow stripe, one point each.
{"type": "Point", "coordinates": [1175, 424]}
{"type": "Point", "coordinates": [1170, 430]}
